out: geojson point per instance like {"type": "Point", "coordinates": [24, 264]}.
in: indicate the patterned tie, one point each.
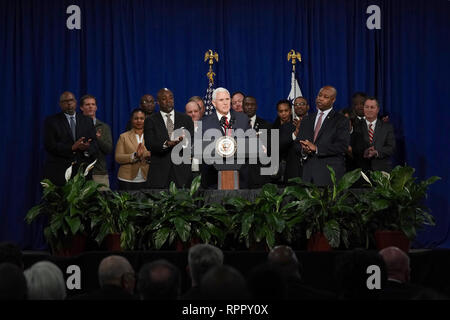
{"type": "Point", "coordinates": [72, 127]}
{"type": "Point", "coordinates": [170, 126]}
{"type": "Point", "coordinates": [370, 133]}
{"type": "Point", "coordinates": [318, 125]}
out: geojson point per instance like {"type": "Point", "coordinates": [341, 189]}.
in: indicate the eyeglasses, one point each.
{"type": "Point", "coordinates": [300, 104]}
{"type": "Point", "coordinates": [147, 102]}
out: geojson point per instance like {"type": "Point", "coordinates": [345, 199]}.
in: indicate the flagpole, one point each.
{"type": "Point", "coordinates": [210, 56]}
{"type": "Point", "coordinates": [293, 57]}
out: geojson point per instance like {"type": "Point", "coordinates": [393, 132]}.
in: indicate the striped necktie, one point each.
{"type": "Point", "coordinates": [371, 133]}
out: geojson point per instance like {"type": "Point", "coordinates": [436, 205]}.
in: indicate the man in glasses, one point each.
{"type": "Point", "coordinates": [69, 138]}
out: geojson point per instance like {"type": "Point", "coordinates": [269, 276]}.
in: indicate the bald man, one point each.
{"type": "Point", "coordinates": [323, 140]}
{"type": "Point", "coordinates": [69, 138]}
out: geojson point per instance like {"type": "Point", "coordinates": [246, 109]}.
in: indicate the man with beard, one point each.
{"type": "Point", "coordinates": [69, 138]}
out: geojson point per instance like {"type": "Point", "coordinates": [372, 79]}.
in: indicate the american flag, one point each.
{"type": "Point", "coordinates": [209, 108]}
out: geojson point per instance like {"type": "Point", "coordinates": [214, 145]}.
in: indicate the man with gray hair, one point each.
{"type": "Point", "coordinates": [116, 278]}
{"type": "Point", "coordinates": [201, 258]}
{"type": "Point", "coordinates": [45, 281]}
{"type": "Point", "coordinates": [226, 120]}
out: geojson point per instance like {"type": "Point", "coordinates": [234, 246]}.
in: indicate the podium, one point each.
{"type": "Point", "coordinates": [228, 167]}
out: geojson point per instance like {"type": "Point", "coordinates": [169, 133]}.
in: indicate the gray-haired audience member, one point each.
{"type": "Point", "coordinates": [201, 258]}
{"type": "Point", "coordinates": [159, 280]}
{"type": "Point", "coordinates": [13, 285]}
{"type": "Point", "coordinates": [11, 253]}
{"type": "Point", "coordinates": [224, 283]}
{"type": "Point", "coordinates": [45, 281]}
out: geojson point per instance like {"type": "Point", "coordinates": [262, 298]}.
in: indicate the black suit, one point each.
{"type": "Point", "coordinates": [383, 141]}
{"type": "Point", "coordinates": [209, 173]}
{"type": "Point", "coordinates": [332, 143]}
{"type": "Point", "coordinates": [162, 171]}
{"type": "Point", "coordinates": [58, 143]}
{"type": "Point", "coordinates": [255, 179]}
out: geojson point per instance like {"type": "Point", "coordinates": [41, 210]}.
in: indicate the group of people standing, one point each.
{"type": "Point", "coordinates": [308, 142]}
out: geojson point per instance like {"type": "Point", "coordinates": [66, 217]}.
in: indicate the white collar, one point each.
{"type": "Point", "coordinates": [164, 114]}
{"type": "Point", "coordinates": [325, 113]}
{"type": "Point", "coordinates": [374, 122]}
{"type": "Point", "coordinates": [219, 116]}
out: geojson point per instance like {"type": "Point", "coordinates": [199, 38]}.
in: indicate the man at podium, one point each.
{"type": "Point", "coordinates": [227, 121]}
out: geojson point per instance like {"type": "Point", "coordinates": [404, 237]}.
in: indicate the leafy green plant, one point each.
{"type": "Point", "coordinates": [327, 210]}
{"type": "Point", "coordinates": [181, 214]}
{"type": "Point", "coordinates": [68, 207]}
{"type": "Point", "coordinates": [396, 201]}
{"type": "Point", "coordinates": [264, 218]}
{"type": "Point", "coordinates": [116, 216]}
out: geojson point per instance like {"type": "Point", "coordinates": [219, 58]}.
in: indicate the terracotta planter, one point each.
{"type": "Point", "coordinates": [72, 247]}
{"type": "Point", "coordinates": [184, 246]}
{"type": "Point", "coordinates": [112, 242]}
{"type": "Point", "coordinates": [318, 242]}
{"type": "Point", "coordinates": [385, 238]}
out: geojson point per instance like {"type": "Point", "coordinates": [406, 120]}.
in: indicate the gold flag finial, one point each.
{"type": "Point", "coordinates": [210, 55]}
{"type": "Point", "coordinates": [294, 56]}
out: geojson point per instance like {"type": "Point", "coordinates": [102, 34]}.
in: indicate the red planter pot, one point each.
{"type": "Point", "coordinates": [385, 238]}
{"type": "Point", "coordinates": [112, 242]}
{"type": "Point", "coordinates": [318, 242]}
{"type": "Point", "coordinates": [75, 246]}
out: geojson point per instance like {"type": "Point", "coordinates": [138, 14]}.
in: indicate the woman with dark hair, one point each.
{"type": "Point", "coordinates": [132, 155]}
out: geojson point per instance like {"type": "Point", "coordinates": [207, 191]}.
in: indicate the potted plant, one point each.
{"type": "Point", "coordinates": [328, 217]}
{"type": "Point", "coordinates": [261, 221]}
{"type": "Point", "coordinates": [394, 207]}
{"type": "Point", "coordinates": [68, 209]}
{"type": "Point", "coordinates": [180, 214]}
{"type": "Point", "coordinates": [113, 224]}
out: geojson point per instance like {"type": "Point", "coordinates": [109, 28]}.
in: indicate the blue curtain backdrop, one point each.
{"type": "Point", "coordinates": [127, 48]}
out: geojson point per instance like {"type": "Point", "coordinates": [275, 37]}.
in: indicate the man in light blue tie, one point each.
{"type": "Point", "coordinates": [69, 138]}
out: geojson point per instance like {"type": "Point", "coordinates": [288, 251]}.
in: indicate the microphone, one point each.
{"type": "Point", "coordinates": [222, 121]}
{"type": "Point", "coordinates": [232, 120]}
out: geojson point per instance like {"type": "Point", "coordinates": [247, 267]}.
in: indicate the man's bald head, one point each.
{"type": "Point", "coordinates": [326, 98]}
{"type": "Point", "coordinates": [68, 103]}
{"type": "Point", "coordinates": [397, 263]}
{"type": "Point", "coordinates": [112, 269]}
{"type": "Point", "coordinates": [165, 100]}
{"type": "Point", "coordinates": [193, 110]}
{"type": "Point", "coordinates": [285, 258]}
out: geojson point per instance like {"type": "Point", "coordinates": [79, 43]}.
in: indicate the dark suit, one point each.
{"type": "Point", "coordinates": [289, 153]}
{"type": "Point", "coordinates": [332, 142]}
{"type": "Point", "coordinates": [383, 141]}
{"type": "Point", "coordinates": [162, 171]}
{"type": "Point", "coordinates": [58, 143]}
{"type": "Point", "coordinates": [209, 173]}
{"type": "Point", "coordinates": [255, 179]}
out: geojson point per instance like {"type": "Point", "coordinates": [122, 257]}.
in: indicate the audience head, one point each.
{"type": "Point", "coordinates": [137, 119]}
{"type": "Point", "coordinates": [237, 99]}
{"type": "Point", "coordinates": [351, 275]}
{"type": "Point", "coordinates": [88, 105]}
{"type": "Point", "coordinates": [285, 259]}
{"type": "Point", "coordinates": [13, 285]}
{"type": "Point", "coordinates": [159, 280]}
{"type": "Point", "coordinates": [193, 110]}
{"type": "Point", "coordinates": [371, 109]}
{"type": "Point", "coordinates": [147, 103]}
{"type": "Point", "coordinates": [266, 281]}
{"type": "Point", "coordinates": [397, 264]}
{"type": "Point", "coordinates": [68, 103]}
{"type": "Point", "coordinates": [250, 106]}
{"type": "Point", "coordinates": [358, 99]}
{"type": "Point", "coordinates": [284, 110]}
{"type": "Point", "coordinates": [45, 281]}
{"type": "Point", "coordinates": [223, 283]}
{"type": "Point", "coordinates": [221, 100]}
{"type": "Point", "coordinates": [200, 103]}
{"type": "Point", "coordinates": [201, 258]}
{"type": "Point", "coordinates": [301, 107]}
{"type": "Point", "coordinates": [165, 100]}
{"type": "Point", "coordinates": [326, 98]}
{"type": "Point", "coordinates": [117, 271]}
{"type": "Point", "coordinates": [11, 253]}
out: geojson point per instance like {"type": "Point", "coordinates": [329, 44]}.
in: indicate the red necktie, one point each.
{"type": "Point", "coordinates": [370, 133]}
{"type": "Point", "coordinates": [318, 125]}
